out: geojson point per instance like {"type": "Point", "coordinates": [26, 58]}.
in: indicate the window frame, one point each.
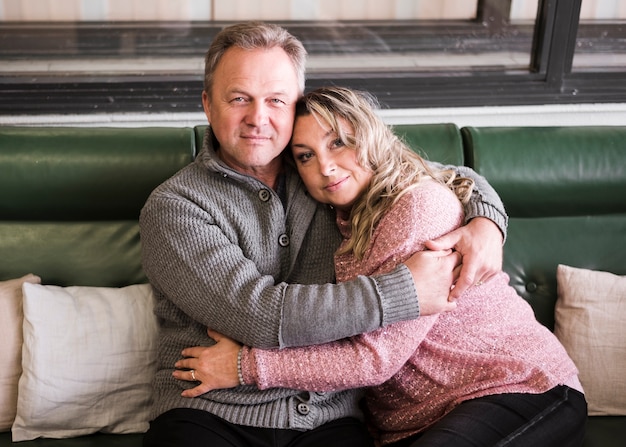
{"type": "Point", "coordinates": [550, 79]}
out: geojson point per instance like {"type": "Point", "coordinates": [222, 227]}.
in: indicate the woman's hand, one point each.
{"type": "Point", "coordinates": [480, 245]}
{"type": "Point", "coordinates": [214, 367]}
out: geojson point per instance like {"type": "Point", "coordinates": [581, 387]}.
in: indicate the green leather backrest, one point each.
{"type": "Point", "coordinates": [565, 192]}
{"type": "Point", "coordinates": [535, 247]}
{"type": "Point", "coordinates": [558, 171]}
{"type": "Point", "coordinates": [199, 136]}
{"type": "Point", "coordinates": [70, 199]}
{"type": "Point", "coordinates": [436, 142]}
{"type": "Point", "coordinates": [80, 173]}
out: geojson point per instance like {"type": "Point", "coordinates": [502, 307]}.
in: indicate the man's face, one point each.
{"type": "Point", "coordinates": [251, 108]}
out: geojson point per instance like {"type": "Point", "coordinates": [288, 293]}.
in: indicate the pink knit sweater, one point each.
{"type": "Point", "coordinates": [418, 371]}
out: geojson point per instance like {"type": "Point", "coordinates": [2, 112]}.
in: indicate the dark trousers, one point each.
{"type": "Point", "coordinates": [555, 418]}
{"type": "Point", "coordinates": [194, 428]}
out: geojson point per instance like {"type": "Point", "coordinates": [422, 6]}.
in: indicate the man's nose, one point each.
{"type": "Point", "coordinates": [258, 114]}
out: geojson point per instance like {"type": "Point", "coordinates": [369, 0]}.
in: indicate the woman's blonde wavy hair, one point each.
{"type": "Point", "coordinates": [395, 167]}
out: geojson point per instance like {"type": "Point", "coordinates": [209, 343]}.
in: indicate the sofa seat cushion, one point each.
{"type": "Point", "coordinates": [605, 431]}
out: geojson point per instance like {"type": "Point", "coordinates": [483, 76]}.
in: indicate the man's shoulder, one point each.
{"type": "Point", "coordinates": [182, 177]}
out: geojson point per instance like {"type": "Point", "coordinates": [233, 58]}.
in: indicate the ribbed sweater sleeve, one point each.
{"type": "Point", "coordinates": [314, 315]}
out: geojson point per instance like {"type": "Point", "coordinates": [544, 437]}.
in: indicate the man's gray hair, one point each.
{"type": "Point", "coordinates": [250, 36]}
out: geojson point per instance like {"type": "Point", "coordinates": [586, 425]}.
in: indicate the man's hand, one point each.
{"type": "Point", "coordinates": [480, 245]}
{"type": "Point", "coordinates": [434, 273]}
{"type": "Point", "coordinates": [215, 367]}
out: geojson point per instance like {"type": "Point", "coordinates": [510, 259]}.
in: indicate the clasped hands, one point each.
{"type": "Point", "coordinates": [466, 257]}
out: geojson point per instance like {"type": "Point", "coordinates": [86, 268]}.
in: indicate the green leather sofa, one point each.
{"type": "Point", "coordinates": [70, 200]}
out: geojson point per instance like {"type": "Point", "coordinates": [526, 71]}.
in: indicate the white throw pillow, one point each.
{"type": "Point", "coordinates": [88, 359]}
{"type": "Point", "coordinates": [11, 346]}
{"type": "Point", "coordinates": [590, 322]}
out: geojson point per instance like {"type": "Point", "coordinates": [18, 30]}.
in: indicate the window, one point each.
{"type": "Point", "coordinates": [601, 38]}
{"type": "Point", "coordinates": [106, 56]}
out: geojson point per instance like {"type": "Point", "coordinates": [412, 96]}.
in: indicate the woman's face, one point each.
{"type": "Point", "coordinates": [328, 168]}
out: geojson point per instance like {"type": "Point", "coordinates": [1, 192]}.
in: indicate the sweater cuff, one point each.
{"type": "Point", "coordinates": [491, 212]}
{"type": "Point", "coordinates": [398, 296]}
{"type": "Point", "coordinates": [246, 367]}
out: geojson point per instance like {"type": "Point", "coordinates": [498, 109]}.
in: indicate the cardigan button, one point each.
{"type": "Point", "coordinates": [303, 409]}
{"type": "Point", "coordinates": [283, 240]}
{"type": "Point", "coordinates": [264, 195]}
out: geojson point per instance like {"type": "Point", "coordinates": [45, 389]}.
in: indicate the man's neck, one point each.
{"type": "Point", "coordinates": [268, 174]}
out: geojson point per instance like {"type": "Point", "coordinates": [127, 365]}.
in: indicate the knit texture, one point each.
{"type": "Point", "coordinates": [420, 370]}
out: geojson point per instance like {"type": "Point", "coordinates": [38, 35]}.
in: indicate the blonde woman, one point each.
{"type": "Point", "coordinates": [484, 374]}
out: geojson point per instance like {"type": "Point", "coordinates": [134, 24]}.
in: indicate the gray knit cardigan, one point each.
{"type": "Point", "coordinates": [222, 251]}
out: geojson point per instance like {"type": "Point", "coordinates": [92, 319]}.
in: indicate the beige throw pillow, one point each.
{"type": "Point", "coordinates": [11, 345]}
{"type": "Point", "coordinates": [590, 321]}
{"type": "Point", "coordinates": [89, 357]}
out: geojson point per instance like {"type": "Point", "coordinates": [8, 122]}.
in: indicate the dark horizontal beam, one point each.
{"type": "Point", "coordinates": [183, 95]}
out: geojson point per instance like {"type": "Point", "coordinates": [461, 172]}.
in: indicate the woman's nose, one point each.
{"type": "Point", "coordinates": [327, 166]}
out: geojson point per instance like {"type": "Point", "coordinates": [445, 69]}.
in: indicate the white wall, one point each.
{"type": "Point", "coordinates": [536, 115]}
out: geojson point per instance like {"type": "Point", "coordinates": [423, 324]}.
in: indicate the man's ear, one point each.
{"type": "Point", "coordinates": [206, 105]}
